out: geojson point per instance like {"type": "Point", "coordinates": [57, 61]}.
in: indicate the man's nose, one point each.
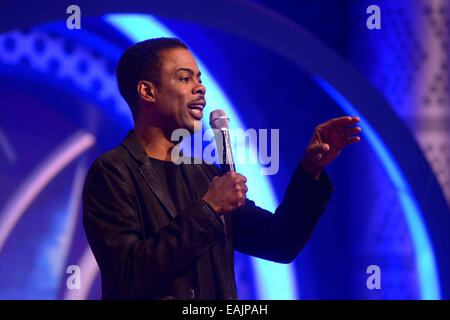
{"type": "Point", "coordinates": [199, 88]}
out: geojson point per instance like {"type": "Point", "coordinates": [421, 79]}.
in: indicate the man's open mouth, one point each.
{"type": "Point", "coordinates": [196, 110]}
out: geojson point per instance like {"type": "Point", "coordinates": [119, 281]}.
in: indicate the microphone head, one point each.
{"type": "Point", "coordinates": [218, 119]}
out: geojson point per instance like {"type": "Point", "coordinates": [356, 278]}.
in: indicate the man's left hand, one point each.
{"type": "Point", "coordinates": [328, 140]}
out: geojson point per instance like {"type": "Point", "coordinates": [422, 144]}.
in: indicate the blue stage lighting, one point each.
{"type": "Point", "coordinates": [424, 254]}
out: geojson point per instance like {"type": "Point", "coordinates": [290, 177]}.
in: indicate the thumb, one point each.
{"type": "Point", "coordinates": [319, 148]}
{"type": "Point", "coordinates": [317, 151]}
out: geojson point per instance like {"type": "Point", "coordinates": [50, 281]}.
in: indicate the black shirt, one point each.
{"type": "Point", "coordinates": [174, 182]}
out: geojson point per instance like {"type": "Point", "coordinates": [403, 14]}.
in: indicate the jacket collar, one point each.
{"type": "Point", "coordinates": [137, 151]}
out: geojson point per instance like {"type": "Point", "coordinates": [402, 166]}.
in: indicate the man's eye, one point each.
{"type": "Point", "coordinates": [185, 79]}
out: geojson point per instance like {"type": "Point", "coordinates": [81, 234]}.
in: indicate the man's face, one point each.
{"type": "Point", "coordinates": [180, 99]}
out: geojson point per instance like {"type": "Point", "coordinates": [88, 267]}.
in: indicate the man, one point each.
{"type": "Point", "coordinates": [164, 231]}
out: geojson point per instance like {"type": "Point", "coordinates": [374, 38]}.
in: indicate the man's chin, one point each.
{"type": "Point", "coordinates": [195, 127]}
{"type": "Point", "coordinates": [186, 130]}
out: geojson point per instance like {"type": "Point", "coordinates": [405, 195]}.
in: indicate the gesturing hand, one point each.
{"type": "Point", "coordinates": [227, 192]}
{"type": "Point", "coordinates": [328, 140]}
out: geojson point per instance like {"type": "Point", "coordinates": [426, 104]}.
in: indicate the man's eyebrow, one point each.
{"type": "Point", "coordinates": [188, 70]}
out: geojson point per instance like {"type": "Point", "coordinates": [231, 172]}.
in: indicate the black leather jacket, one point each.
{"type": "Point", "coordinates": [147, 250]}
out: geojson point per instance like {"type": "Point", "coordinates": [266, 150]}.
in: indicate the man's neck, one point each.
{"type": "Point", "coordinates": [154, 141]}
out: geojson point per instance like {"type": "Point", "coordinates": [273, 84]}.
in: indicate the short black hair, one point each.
{"type": "Point", "coordinates": [139, 62]}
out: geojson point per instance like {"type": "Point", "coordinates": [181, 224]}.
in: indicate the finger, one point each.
{"type": "Point", "coordinates": [317, 152]}
{"type": "Point", "coordinates": [239, 185]}
{"type": "Point", "coordinates": [236, 177]}
{"type": "Point", "coordinates": [351, 131]}
{"type": "Point", "coordinates": [343, 122]}
{"type": "Point", "coordinates": [243, 188]}
{"type": "Point", "coordinates": [230, 174]}
{"type": "Point", "coordinates": [242, 202]}
{"type": "Point", "coordinates": [241, 177]}
{"type": "Point", "coordinates": [351, 140]}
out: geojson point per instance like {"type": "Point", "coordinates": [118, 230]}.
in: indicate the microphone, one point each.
{"type": "Point", "coordinates": [220, 123]}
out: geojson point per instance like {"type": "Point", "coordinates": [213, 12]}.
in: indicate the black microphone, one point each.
{"type": "Point", "coordinates": [218, 119]}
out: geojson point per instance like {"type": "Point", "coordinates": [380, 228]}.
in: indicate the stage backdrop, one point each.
{"type": "Point", "coordinates": [289, 65]}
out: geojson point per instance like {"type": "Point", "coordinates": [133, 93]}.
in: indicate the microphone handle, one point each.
{"type": "Point", "coordinates": [227, 164]}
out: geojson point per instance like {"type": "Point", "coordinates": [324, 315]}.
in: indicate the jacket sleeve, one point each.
{"type": "Point", "coordinates": [133, 266]}
{"type": "Point", "coordinates": [281, 236]}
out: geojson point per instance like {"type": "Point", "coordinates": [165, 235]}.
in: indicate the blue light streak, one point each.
{"type": "Point", "coordinates": [424, 254]}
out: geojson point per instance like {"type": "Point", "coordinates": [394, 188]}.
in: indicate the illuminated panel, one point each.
{"type": "Point", "coordinates": [273, 280]}
{"type": "Point", "coordinates": [424, 254]}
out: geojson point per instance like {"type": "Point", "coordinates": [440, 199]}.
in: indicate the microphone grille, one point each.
{"type": "Point", "coordinates": [218, 119]}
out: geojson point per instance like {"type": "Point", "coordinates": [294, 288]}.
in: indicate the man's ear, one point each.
{"type": "Point", "coordinates": [146, 90]}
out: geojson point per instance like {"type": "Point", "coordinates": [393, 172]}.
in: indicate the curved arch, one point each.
{"type": "Point", "coordinates": [77, 144]}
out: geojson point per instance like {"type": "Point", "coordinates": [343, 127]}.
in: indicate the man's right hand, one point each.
{"type": "Point", "coordinates": [227, 192]}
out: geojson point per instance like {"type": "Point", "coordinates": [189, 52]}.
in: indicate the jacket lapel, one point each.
{"type": "Point", "coordinates": [151, 177]}
{"type": "Point", "coordinates": [195, 175]}
{"type": "Point", "coordinates": [147, 171]}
